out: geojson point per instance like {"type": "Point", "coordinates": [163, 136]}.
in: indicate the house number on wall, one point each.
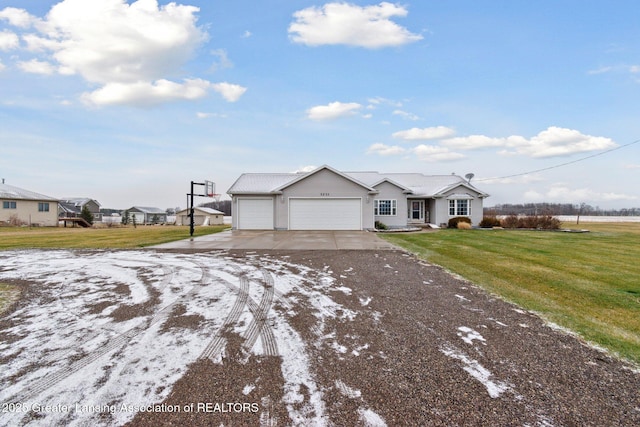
{"type": "Point", "coordinates": [324, 194]}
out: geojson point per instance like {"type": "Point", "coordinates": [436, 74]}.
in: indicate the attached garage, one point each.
{"type": "Point", "coordinates": [325, 214]}
{"type": "Point", "coordinates": [255, 214]}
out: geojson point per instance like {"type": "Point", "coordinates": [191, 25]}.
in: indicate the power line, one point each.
{"type": "Point", "coordinates": [562, 164]}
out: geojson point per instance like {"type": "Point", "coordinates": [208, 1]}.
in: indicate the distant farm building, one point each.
{"type": "Point", "coordinates": [201, 216]}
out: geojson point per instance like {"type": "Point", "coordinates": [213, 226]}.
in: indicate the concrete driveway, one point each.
{"type": "Point", "coordinates": [283, 240]}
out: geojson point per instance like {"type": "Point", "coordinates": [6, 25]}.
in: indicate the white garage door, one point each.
{"type": "Point", "coordinates": [255, 214]}
{"type": "Point", "coordinates": [325, 214]}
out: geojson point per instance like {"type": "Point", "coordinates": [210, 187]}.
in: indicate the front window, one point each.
{"type": "Point", "coordinates": [8, 205]}
{"type": "Point", "coordinates": [43, 207]}
{"type": "Point", "coordinates": [384, 207]}
{"type": "Point", "coordinates": [459, 208]}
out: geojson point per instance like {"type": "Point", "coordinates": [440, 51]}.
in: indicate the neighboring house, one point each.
{"type": "Point", "coordinates": [19, 206]}
{"type": "Point", "coordinates": [201, 216]}
{"type": "Point", "coordinates": [327, 199]}
{"type": "Point", "coordinates": [72, 208]}
{"type": "Point", "coordinates": [146, 215]}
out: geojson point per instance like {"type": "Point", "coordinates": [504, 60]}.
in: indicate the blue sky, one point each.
{"type": "Point", "coordinates": [127, 102]}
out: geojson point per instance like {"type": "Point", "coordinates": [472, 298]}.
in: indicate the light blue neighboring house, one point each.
{"type": "Point", "coordinates": [147, 215]}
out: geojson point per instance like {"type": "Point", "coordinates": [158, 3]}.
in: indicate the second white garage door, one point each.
{"type": "Point", "coordinates": [255, 214]}
{"type": "Point", "coordinates": [325, 214]}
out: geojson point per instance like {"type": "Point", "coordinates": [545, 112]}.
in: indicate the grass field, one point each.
{"type": "Point", "coordinates": [96, 238]}
{"type": "Point", "coordinates": [587, 282]}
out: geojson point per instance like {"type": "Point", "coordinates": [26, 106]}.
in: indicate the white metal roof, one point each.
{"type": "Point", "coordinates": [15, 193]}
{"type": "Point", "coordinates": [209, 211]}
{"type": "Point", "coordinates": [148, 210]}
{"type": "Point", "coordinates": [260, 183]}
{"type": "Point", "coordinates": [419, 184]}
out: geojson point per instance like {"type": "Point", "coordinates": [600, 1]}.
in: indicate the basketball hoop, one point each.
{"type": "Point", "coordinates": [216, 197]}
{"type": "Point", "coordinates": [210, 188]}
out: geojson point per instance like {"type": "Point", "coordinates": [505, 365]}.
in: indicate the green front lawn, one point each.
{"type": "Point", "coordinates": [97, 238]}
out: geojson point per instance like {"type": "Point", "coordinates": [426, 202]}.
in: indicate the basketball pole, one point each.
{"type": "Point", "coordinates": [191, 209]}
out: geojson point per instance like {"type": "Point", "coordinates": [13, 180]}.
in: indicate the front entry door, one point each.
{"type": "Point", "coordinates": [416, 213]}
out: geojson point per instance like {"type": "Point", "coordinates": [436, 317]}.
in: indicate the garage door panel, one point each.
{"type": "Point", "coordinates": [325, 214]}
{"type": "Point", "coordinates": [255, 214]}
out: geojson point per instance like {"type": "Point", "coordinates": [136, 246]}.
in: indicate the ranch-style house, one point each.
{"type": "Point", "coordinates": [328, 199]}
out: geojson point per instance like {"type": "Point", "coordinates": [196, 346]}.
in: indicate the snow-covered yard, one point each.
{"type": "Point", "coordinates": [104, 335]}
{"type": "Point", "coordinates": [302, 338]}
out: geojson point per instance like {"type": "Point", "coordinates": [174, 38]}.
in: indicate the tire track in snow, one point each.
{"type": "Point", "coordinates": [217, 344]}
{"type": "Point", "coordinates": [258, 326]}
{"type": "Point", "coordinates": [49, 381]}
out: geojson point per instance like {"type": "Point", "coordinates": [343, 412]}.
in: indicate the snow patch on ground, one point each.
{"type": "Point", "coordinates": [344, 290]}
{"type": "Point", "coordinates": [97, 329]}
{"type": "Point", "coordinates": [370, 418]}
{"type": "Point", "coordinates": [365, 301]}
{"type": "Point", "coordinates": [468, 335]}
{"type": "Point", "coordinates": [494, 387]}
{"type": "Point", "coordinates": [347, 391]}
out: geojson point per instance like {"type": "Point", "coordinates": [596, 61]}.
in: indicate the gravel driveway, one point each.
{"type": "Point", "coordinates": [148, 338]}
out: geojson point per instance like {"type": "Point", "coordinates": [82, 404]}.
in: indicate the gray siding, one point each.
{"type": "Point", "coordinates": [476, 203]}
{"type": "Point", "coordinates": [389, 191]}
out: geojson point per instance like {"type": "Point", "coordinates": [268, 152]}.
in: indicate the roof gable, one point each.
{"type": "Point", "coordinates": [330, 169]}
{"type": "Point", "coordinates": [456, 186]}
{"type": "Point", "coordinates": [392, 182]}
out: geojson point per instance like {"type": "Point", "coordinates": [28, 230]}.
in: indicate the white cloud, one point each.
{"type": "Point", "coordinates": [552, 142]}
{"type": "Point", "coordinates": [473, 142]}
{"type": "Point", "coordinates": [560, 192]}
{"type": "Point", "coordinates": [202, 115]}
{"type": "Point", "coordinates": [385, 150]}
{"type": "Point", "coordinates": [37, 67]}
{"type": "Point", "coordinates": [246, 34]}
{"type": "Point", "coordinates": [108, 40]}
{"type": "Point", "coordinates": [557, 141]}
{"type": "Point", "coordinates": [144, 94]}
{"type": "Point", "coordinates": [305, 169]}
{"type": "Point", "coordinates": [223, 60]}
{"type": "Point", "coordinates": [601, 70]}
{"type": "Point", "coordinates": [520, 179]}
{"type": "Point", "coordinates": [18, 17]}
{"type": "Point", "coordinates": [349, 24]}
{"type": "Point", "coordinates": [432, 153]}
{"type": "Point", "coordinates": [333, 110]}
{"type": "Point", "coordinates": [128, 50]}
{"type": "Point", "coordinates": [378, 100]}
{"type": "Point", "coordinates": [230, 92]}
{"type": "Point", "coordinates": [8, 40]}
{"type": "Point", "coordinates": [2, 66]}
{"type": "Point", "coordinates": [406, 115]}
{"type": "Point", "coordinates": [437, 132]}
